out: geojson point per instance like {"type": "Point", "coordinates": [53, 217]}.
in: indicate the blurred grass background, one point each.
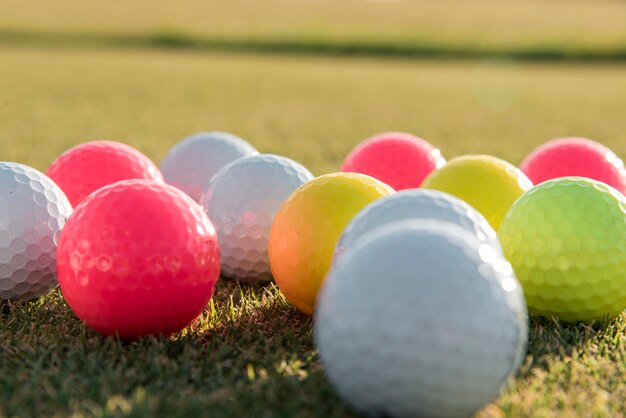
{"type": "Point", "coordinates": [530, 29]}
{"type": "Point", "coordinates": [311, 109]}
{"type": "Point", "coordinates": [151, 72]}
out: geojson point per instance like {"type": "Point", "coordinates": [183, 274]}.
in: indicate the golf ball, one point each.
{"type": "Point", "coordinates": [416, 204]}
{"type": "Point", "coordinates": [191, 163]}
{"type": "Point", "coordinates": [487, 183]}
{"type": "Point", "coordinates": [575, 157]}
{"type": "Point", "coordinates": [33, 211]}
{"type": "Point", "coordinates": [307, 227]}
{"type": "Point", "coordinates": [566, 240]}
{"type": "Point", "coordinates": [138, 257]}
{"type": "Point", "coordinates": [421, 318]}
{"type": "Point", "coordinates": [398, 159]}
{"type": "Point", "coordinates": [241, 201]}
{"type": "Point", "coordinates": [87, 167]}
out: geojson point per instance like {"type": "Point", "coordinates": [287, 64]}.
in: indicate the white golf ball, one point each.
{"type": "Point", "coordinates": [191, 163]}
{"type": "Point", "coordinates": [33, 211]}
{"type": "Point", "coordinates": [421, 319]}
{"type": "Point", "coordinates": [241, 201]}
{"type": "Point", "coordinates": [416, 204]}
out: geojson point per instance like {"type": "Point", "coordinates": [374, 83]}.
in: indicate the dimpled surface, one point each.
{"type": "Point", "coordinates": [138, 257]}
{"type": "Point", "coordinates": [566, 240]}
{"type": "Point", "coordinates": [398, 159]}
{"type": "Point", "coordinates": [487, 183]}
{"type": "Point", "coordinates": [307, 227]}
{"type": "Point", "coordinates": [85, 168]}
{"type": "Point", "coordinates": [421, 319]}
{"type": "Point", "coordinates": [241, 201]}
{"type": "Point", "coordinates": [33, 211]}
{"type": "Point", "coordinates": [416, 204]}
{"type": "Point", "coordinates": [191, 163]}
{"type": "Point", "coordinates": [575, 157]}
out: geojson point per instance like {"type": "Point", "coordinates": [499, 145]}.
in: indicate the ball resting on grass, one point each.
{"type": "Point", "coordinates": [421, 319]}
{"type": "Point", "coordinates": [33, 211]}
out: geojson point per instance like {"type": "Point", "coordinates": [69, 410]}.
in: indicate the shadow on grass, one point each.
{"type": "Point", "coordinates": [249, 354]}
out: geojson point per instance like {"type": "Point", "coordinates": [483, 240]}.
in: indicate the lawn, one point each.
{"type": "Point", "coordinates": [534, 29]}
{"type": "Point", "coordinates": [251, 354]}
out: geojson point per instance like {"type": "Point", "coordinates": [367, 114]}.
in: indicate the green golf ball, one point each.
{"type": "Point", "coordinates": [566, 240]}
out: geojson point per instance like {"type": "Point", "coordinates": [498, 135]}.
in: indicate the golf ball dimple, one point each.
{"type": "Point", "coordinates": [241, 200]}
{"type": "Point", "coordinates": [191, 163]}
{"type": "Point", "coordinates": [419, 320]}
{"type": "Point", "coordinates": [87, 167]}
{"type": "Point", "coordinates": [137, 258]}
{"type": "Point", "coordinates": [307, 227]}
{"type": "Point", "coordinates": [487, 183]}
{"type": "Point", "coordinates": [416, 204]}
{"type": "Point", "coordinates": [575, 157]}
{"type": "Point", "coordinates": [33, 211]}
{"type": "Point", "coordinates": [566, 240]}
{"type": "Point", "coordinates": [398, 159]}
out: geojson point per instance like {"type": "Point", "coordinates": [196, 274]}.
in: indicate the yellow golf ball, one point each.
{"type": "Point", "coordinates": [307, 227]}
{"type": "Point", "coordinates": [489, 184]}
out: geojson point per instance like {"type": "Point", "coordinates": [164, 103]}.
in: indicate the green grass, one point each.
{"type": "Point", "coordinates": [320, 43]}
{"type": "Point", "coordinates": [251, 354]}
{"type": "Point", "coordinates": [522, 29]}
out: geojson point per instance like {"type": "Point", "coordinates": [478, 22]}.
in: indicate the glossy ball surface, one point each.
{"type": "Point", "coordinates": [421, 319]}
{"type": "Point", "coordinates": [487, 183]}
{"type": "Point", "coordinates": [575, 157]}
{"type": "Point", "coordinates": [138, 257]}
{"type": "Point", "coordinates": [398, 159]}
{"type": "Point", "coordinates": [191, 163]}
{"type": "Point", "coordinates": [87, 167]}
{"type": "Point", "coordinates": [415, 204]}
{"type": "Point", "coordinates": [33, 211]}
{"type": "Point", "coordinates": [566, 240]}
{"type": "Point", "coordinates": [307, 227]}
{"type": "Point", "coordinates": [241, 201]}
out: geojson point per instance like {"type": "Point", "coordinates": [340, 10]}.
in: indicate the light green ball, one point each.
{"type": "Point", "coordinates": [566, 240]}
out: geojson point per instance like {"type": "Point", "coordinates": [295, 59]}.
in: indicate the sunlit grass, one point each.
{"type": "Point", "coordinates": [530, 29]}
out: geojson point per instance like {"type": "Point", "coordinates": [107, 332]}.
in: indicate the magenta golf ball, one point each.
{"type": "Point", "coordinates": [575, 157]}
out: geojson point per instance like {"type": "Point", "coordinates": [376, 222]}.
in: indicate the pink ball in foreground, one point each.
{"type": "Point", "coordinates": [138, 258]}
{"type": "Point", "coordinates": [575, 157]}
{"type": "Point", "coordinates": [398, 159]}
{"type": "Point", "coordinates": [87, 167]}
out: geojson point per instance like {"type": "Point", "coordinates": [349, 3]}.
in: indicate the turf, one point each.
{"type": "Point", "coordinates": [524, 29]}
{"type": "Point", "coordinates": [251, 354]}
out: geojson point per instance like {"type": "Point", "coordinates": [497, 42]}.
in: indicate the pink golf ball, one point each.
{"type": "Point", "coordinates": [398, 159]}
{"type": "Point", "coordinates": [575, 157]}
{"type": "Point", "coordinates": [87, 167]}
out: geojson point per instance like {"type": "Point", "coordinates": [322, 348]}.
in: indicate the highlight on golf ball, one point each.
{"type": "Point", "coordinates": [190, 163]}
{"type": "Point", "coordinates": [241, 200]}
{"type": "Point", "coordinates": [415, 204]}
{"type": "Point", "coordinates": [398, 159]}
{"type": "Point", "coordinates": [307, 227]}
{"type": "Point", "coordinates": [487, 183]}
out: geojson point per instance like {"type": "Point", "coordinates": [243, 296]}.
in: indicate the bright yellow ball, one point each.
{"type": "Point", "coordinates": [489, 184]}
{"type": "Point", "coordinates": [307, 227]}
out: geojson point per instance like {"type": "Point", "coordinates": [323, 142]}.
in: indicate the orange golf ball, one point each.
{"type": "Point", "coordinates": [307, 228]}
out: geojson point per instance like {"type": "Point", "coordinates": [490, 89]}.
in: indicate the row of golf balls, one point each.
{"type": "Point", "coordinates": [447, 273]}
{"type": "Point", "coordinates": [243, 198]}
